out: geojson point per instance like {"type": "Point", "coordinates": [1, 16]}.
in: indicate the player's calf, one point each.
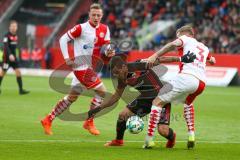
{"type": "Point", "coordinates": [59, 108]}
{"type": "Point", "coordinates": [189, 118]}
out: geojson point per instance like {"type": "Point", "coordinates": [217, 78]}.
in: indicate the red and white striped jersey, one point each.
{"type": "Point", "coordinates": [197, 68]}
{"type": "Point", "coordinates": [88, 41]}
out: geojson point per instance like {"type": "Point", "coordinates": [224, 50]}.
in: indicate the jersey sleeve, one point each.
{"type": "Point", "coordinates": [107, 36]}
{"type": "Point", "coordinates": [183, 40]}
{"type": "Point", "coordinates": [137, 66]}
{"type": "Point", "coordinates": [209, 56]}
{"type": "Point", "coordinates": [75, 32]}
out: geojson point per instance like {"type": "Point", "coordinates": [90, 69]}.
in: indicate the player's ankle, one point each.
{"type": "Point", "coordinates": [149, 138]}
{"type": "Point", "coordinates": [191, 133]}
{"type": "Point", "coordinates": [119, 140]}
{"type": "Point", "coordinates": [191, 137]}
{"type": "Point", "coordinates": [50, 118]}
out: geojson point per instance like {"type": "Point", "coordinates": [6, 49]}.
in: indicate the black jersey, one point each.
{"type": "Point", "coordinates": [145, 80]}
{"type": "Point", "coordinates": [10, 45]}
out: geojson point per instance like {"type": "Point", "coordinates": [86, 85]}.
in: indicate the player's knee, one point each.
{"type": "Point", "coordinates": [163, 130]}
{"type": "Point", "coordinates": [101, 91]}
{"type": "Point", "coordinates": [18, 73]}
{"type": "Point", "coordinates": [2, 73]}
{"type": "Point", "coordinates": [157, 102]}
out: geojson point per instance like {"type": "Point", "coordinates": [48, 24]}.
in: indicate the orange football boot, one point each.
{"type": "Point", "coordinates": [89, 125]}
{"type": "Point", "coordinates": [114, 142]}
{"type": "Point", "coordinates": [47, 125]}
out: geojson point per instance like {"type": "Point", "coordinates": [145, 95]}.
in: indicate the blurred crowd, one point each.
{"type": "Point", "coordinates": [216, 22]}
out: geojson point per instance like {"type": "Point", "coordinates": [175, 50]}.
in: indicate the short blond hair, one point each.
{"type": "Point", "coordinates": [12, 22]}
{"type": "Point", "coordinates": [186, 28]}
{"type": "Point", "coordinates": [96, 6]}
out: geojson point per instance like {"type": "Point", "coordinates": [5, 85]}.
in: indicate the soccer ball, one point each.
{"type": "Point", "coordinates": [135, 124]}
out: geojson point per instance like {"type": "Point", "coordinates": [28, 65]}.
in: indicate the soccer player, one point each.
{"type": "Point", "coordinates": [88, 39]}
{"type": "Point", "coordinates": [10, 42]}
{"type": "Point", "coordinates": [187, 85]}
{"type": "Point", "coordinates": [147, 82]}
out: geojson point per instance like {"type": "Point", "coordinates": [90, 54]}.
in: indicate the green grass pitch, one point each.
{"type": "Point", "coordinates": [217, 121]}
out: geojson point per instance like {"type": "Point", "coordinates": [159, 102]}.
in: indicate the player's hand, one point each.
{"type": "Point", "coordinates": [70, 63]}
{"type": "Point", "coordinates": [110, 53]}
{"type": "Point", "coordinates": [151, 60]}
{"type": "Point", "coordinates": [11, 58]}
{"type": "Point", "coordinates": [188, 58]}
{"type": "Point", "coordinates": [212, 60]}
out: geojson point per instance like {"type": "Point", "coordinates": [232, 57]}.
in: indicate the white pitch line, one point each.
{"type": "Point", "coordinates": [82, 141]}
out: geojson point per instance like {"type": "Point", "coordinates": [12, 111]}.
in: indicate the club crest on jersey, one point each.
{"type": "Point", "coordinates": [101, 35]}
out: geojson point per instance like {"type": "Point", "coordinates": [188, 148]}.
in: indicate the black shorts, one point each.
{"type": "Point", "coordinates": [6, 65]}
{"type": "Point", "coordinates": [142, 107]}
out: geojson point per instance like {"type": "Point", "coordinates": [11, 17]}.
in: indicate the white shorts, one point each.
{"type": "Point", "coordinates": [181, 86]}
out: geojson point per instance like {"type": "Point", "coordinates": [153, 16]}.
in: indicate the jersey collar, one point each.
{"type": "Point", "coordinates": [92, 25]}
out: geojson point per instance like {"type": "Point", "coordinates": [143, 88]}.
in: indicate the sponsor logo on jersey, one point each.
{"type": "Point", "coordinates": [87, 46]}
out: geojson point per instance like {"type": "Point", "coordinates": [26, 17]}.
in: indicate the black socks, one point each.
{"type": "Point", "coordinates": [19, 81]}
{"type": "Point", "coordinates": [170, 135]}
{"type": "Point", "coordinates": [121, 127]}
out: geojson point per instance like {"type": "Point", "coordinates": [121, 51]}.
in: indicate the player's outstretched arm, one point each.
{"type": "Point", "coordinates": [167, 48]}
{"type": "Point", "coordinates": [187, 58]}
{"type": "Point", "coordinates": [108, 102]}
